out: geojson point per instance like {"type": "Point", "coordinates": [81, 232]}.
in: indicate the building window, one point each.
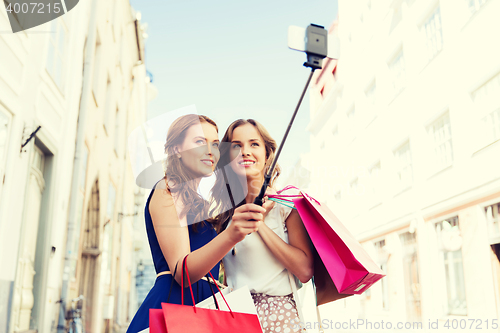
{"type": "Point", "coordinates": [354, 186]}
{"type": "Point", "coordinates": [474, 5]}
{"type": "Point", "coordinates": [440, 132]}
{"type": "Point", "coordinates": [433, 33]}
{"type": "Point", "coordinates": [493, 220]}
{"type": "Point", "coordinates": [370, 94]}
{"type": "Point", "coordinates": [335, 136]}
{"type": "Point", "coordinates": [491, 126]}
{"type": "Point", "coordinates": [397, 73]}
{"type": "Point", "coordinates": [488, 92]}
{"type": "Point", "coordinates": [56, 57]}
{"type": "Point", "coordinates": [38, 161]}
{"type": "Point", "coordinates": [374, 181]}
{"type": "Point", "coordinates": [411, 275]}
{"type": "Point", "coordinates": [488, 107]}
{"type": "Point", "coordinates": [450, 245]}
{"type": "Point", "coordinates": [397, 17]}
{"type": "Point", "coordinates": [382, 259]}
{"type": "Point", "coordinates": [404, 167]}
{"type": "Point", "coordinates": [351, 112]}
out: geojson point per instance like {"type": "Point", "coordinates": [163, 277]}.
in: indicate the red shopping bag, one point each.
{"type": "Point", "coordinates": [175, 318]}
{"type": "Point", "coordinates": [157, 321]}
{"type": "Point", "coordinates": [344, 268]}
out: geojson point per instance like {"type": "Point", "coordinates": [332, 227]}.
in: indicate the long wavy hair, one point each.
{"type": "Point", "coordinates": [178, 178]}
{"type": "Point", "coordinates": [226, 208]}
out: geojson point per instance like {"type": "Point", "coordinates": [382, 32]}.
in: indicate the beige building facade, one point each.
{"type": "Point", "coordinates": [68, 196]}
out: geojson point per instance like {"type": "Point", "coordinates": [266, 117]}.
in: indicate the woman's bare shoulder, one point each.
{"type": "Point", "coordinates": [161, 201]}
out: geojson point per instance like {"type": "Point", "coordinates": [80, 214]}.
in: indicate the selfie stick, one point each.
{"type": "Point", "coordinates": [316, 50]}
{"type": "Point", "coordinates": [267, 178]}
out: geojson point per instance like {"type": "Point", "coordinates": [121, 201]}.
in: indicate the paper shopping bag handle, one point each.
{"type": "Point", "coordinates": [184, 266]}
{"type": "Point", "coordinates": [212, 290]}
{"type": "Point", "coordinates": [220, 292]}
{"type": "Point", "coordinates": [182, 287]}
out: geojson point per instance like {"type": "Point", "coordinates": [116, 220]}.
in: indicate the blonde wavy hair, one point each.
{"type": "Point", "coordinates": [226, 208]}
{"type": "Point", "coordinates": [176, 173]}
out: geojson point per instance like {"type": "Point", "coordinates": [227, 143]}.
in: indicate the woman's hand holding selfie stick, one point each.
{"type": "Point", "coordinates": [246, 219]}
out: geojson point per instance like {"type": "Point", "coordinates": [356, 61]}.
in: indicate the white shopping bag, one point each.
{"type": "Point", "coordinates": [239, 300]}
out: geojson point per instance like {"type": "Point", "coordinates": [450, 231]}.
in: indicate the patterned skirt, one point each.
{"type": "Point", "coordinates": [277, 313]}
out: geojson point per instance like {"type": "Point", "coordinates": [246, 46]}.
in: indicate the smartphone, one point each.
{"type": "Point", "coordinates": [298, 40]}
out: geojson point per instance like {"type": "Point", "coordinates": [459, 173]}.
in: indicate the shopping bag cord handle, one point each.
{"type": "Point", "coordinates": [220, 292]}
{"type": "Point", "coordinates": [212, 290]}
{"type": "Point", "coordinates": [302, 194]}
{"type": "Point", "coordinates": [287, 188]}
{"type": "Point", "coordinates": [284, 202]}
{"type": "Point", "coordinates": [184, 266]}
{"type": "Point", "coordinates": [172, 282]}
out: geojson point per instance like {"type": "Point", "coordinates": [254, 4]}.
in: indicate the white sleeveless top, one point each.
{"type": "Point", "coordinates": [254, 265]}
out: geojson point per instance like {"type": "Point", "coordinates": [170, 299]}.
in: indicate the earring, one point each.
{"type": "Point", "coordinates": [178, 155]}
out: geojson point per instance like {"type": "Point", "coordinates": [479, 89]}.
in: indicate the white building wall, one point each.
{"type": "Point", "coordinates": [402, 108]}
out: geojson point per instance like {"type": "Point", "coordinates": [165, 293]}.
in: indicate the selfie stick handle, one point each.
{"type": "Point", "coordinates": [267, 178]}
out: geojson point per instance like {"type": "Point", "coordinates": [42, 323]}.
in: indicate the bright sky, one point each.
{"type": "Point", "coordinates": [231, 60]}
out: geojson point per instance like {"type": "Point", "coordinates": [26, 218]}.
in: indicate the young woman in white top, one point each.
{"type": "Point", "coordinates": [262, 260]}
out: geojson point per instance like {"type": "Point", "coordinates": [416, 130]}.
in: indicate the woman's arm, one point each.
{"type": "Point", "coordinates": [297, 256]}
{"type": "Point", "coordinates": [173, 236]}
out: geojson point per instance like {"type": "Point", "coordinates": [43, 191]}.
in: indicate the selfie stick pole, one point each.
{"type": "Point", "coordinates": [267, 178]}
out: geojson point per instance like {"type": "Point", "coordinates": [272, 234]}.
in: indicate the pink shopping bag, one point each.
{"type": "Point", "coordinates": [344, 268]}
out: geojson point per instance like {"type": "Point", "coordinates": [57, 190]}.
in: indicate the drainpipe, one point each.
{"type": "Point", "coordinates": [78, 166]}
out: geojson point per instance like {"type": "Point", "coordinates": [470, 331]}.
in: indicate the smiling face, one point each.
{"type": "Point", "coordinates": [248, 151]}
{"type": "Point", "coordinates": [200, 150]}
